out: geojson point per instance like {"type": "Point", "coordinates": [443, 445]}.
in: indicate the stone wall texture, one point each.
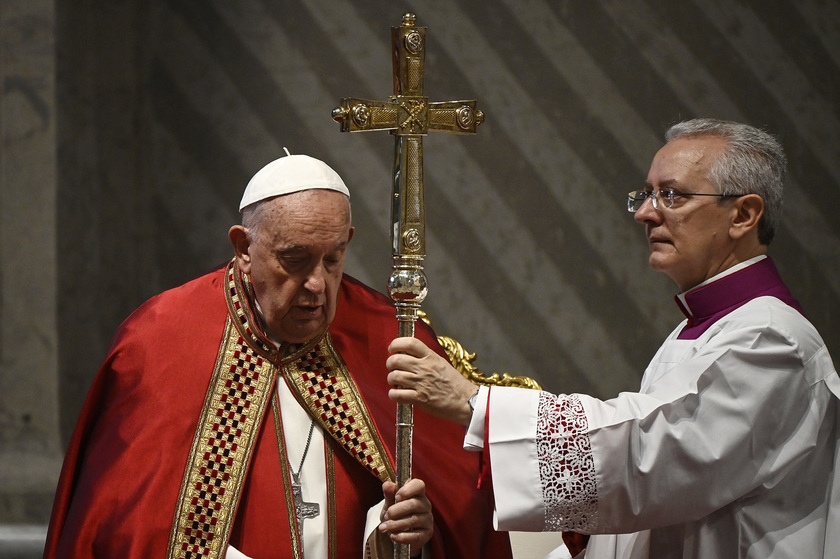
{"type": "Point", "coordinates": [129, 130]}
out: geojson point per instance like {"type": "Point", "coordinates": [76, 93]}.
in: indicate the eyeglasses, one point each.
{"type": "Point", "coordinates": [665, 197]}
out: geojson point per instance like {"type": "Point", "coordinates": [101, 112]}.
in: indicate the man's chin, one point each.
{"type": "Point", "coordinates": [658, 262]}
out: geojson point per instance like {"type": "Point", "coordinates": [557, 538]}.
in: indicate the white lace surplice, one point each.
{"type": "Point", "coordinates": [754, 406]}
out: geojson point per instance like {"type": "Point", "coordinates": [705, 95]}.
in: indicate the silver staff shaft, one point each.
{"type": "Point", "coordinates": [407, 285]}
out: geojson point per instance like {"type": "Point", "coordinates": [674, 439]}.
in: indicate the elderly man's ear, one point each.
{"type": "Point", "coordinates": [241, 244]}
{"type": "Point", "coordinates": [748, 211]}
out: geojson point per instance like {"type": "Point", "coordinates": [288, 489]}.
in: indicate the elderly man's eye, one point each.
{"type": "Point", "coordinates": [668, 193]}
{"type": "Point", "coordinates": [292, 261]}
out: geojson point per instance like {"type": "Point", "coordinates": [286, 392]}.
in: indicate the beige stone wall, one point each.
{"type": "Point", "coordinates": [30, 446]}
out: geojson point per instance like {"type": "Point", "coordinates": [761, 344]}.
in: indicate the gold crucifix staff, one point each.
{"type": "Point", "coordinates": [409, 116]}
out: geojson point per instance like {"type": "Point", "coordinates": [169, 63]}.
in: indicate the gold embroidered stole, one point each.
{"type": "Point", "coordinates": [240, 390]}
{"type": "Point", "coordinates": [320, 381]}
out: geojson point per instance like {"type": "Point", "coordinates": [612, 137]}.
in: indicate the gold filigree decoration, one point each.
{"type": "Point", "coordinates": [465, 117]}
{"type": "Point", "coordinates": [414, 116]}
{"type": "Point", "coordinates": [414, 42]}
{"type": "Point", "coordinates": [412, 240]}
{"type": "Point", "coordinates": [361, 115]}
{"type": "Point", "coordinates": [462, 360]}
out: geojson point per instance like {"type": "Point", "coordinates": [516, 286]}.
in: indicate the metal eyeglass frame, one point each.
{"type": "Point", "coordinates": [636, 198]}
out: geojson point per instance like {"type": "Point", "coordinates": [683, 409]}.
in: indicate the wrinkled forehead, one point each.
{"type": "Point", "coordinates": [309, 210]}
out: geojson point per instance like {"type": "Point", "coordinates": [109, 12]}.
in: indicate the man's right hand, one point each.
{"type": "Point", "coordinates": [421, 377]}
{"type": "Point", "coordinates": [407, 515]}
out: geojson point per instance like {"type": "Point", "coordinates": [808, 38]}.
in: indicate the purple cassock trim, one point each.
{"type": "Point", "coordinates": [715, 300]}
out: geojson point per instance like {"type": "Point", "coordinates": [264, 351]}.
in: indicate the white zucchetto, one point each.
{"type": "Point", "coordinates": [288, 174]}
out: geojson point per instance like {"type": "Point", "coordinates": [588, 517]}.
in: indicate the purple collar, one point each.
{"type": "Point", "coordinates": [705, 305]}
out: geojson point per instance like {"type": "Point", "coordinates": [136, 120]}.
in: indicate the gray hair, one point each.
{"type": "Point", "coordinates": [753, 163]}
{"type": "Point", "coordinates": [253, 216]}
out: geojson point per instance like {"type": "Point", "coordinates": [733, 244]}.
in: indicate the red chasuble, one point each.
{"type": "Point", "coordinates": [119, 488]}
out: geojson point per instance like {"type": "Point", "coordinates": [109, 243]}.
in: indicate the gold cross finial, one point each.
{"type": "Point", "coordinates": [408, 115]}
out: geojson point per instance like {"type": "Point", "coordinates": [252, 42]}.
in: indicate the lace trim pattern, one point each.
{"type": "Point", "coordinates": [567, 470]}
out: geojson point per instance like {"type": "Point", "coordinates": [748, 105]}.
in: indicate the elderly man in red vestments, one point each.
{"type": "Point", "coordinates": [246, 413]}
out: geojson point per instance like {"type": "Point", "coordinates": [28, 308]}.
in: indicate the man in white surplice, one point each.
{"type": "Point", "coordinates": [728, 450]}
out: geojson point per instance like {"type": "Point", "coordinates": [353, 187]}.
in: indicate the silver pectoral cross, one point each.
{"type": "Point", "coordinates": [303, 509]}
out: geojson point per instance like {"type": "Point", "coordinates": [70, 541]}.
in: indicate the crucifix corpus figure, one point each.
{"type": "Point", "coordinates": [409, 116]}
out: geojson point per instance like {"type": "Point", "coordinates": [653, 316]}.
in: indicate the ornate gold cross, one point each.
{"type": "Point", "coordinates": [409, 116]}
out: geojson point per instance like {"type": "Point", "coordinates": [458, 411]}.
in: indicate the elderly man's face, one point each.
{"type": "Point", "coordinates": [689, 242]}
{"type": "Point", "coordinates": [297, 261]}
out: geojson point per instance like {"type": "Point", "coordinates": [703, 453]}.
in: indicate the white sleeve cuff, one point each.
{"type": "Point", "coordinates": [474, 439]}
{"type": "Point", "coordinates": [517, 486]}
